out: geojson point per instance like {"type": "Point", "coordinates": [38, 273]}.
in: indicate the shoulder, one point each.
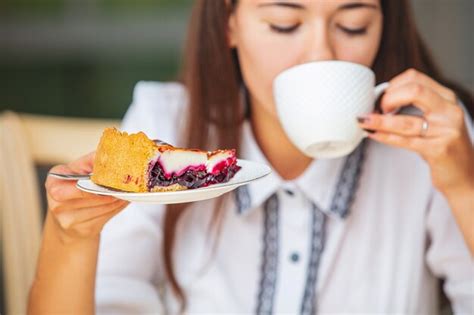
{"type": "Point", "coordinates": [150, 92]}
{"type": "Point", "coordinates": [157, 109]}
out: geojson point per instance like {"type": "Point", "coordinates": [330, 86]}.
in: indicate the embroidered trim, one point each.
{"type": "Point", "coordinates": [318, 229]}
{"type": "Point", "coordinates": [342, 200]}
{"type": "Point", "coordinates": [242, 198]}
{"type": "Point", "coordinates": [348, 181]}
{"type": "Point", "coordinates": [269, 267]}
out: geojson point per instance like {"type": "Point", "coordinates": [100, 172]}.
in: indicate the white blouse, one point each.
{"type": "Point", "coordinates": [290, 246]}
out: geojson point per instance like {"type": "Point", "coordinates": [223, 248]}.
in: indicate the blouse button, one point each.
{"type": "Point", "coordinates": [295, 257]}
{"type": "Point", "coordinates": [289, 192]}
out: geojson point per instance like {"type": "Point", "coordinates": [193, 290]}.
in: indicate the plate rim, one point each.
{"type": "Point", "coordinates": [110, 192]}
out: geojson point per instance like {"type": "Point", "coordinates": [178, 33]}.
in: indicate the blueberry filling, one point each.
{"type": "Point", "coordinates": [191, 178]}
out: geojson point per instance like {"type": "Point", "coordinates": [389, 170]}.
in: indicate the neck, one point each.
{"type": "Point", "coordinates": [284, 157]}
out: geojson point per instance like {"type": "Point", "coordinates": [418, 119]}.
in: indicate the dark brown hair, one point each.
{"type": "Point", "coordinates": [212, 77]}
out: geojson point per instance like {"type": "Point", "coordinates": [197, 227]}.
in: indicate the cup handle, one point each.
{"type": "Point", "coordinates": [379, 89]}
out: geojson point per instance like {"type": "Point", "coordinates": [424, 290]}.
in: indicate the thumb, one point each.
{"type": "Point", "coordinates": [84, 164]}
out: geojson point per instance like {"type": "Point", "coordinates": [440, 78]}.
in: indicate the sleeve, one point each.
{"type": "Point", "coordinates": [130, 268]}
{"type": "Point", "coordinates": [448, 256]}
{"type": "Point", "coordinates": [157, 109]}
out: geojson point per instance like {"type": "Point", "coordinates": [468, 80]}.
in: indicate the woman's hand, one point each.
{"type": "Point", "coordinates": [67, 263]}
{"type": "Point", "coordinates": [440, 136]}
{"type": "Point", "coordinates": [78, 214]}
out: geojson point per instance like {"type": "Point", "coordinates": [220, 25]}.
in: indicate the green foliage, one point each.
{"type": "Point", "coordinates": [78, 88]}
{"type": "Point", "coordinates": [83, 84]}
{"type": "Point", "coordinates": [128, 4]}
{"type": "Point", "coordinates": [40, 7]}
{"type": "Point", "coordinates": [32, 7]}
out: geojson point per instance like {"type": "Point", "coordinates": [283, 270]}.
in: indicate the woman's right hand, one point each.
{"type": "Point", "coordinates": [77, 214]}
{"type": "Point", "coordinates": [67, 263]}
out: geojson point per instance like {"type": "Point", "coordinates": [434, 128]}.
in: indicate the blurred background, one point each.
{"type": "Point", "coordinates": [81, 58]}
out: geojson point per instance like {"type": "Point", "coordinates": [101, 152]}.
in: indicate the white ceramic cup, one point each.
{"type": "Point", "coordinates": [318, 104]}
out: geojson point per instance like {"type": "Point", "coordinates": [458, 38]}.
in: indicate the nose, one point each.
{"type": "Point", "coordinates": [319, 45]}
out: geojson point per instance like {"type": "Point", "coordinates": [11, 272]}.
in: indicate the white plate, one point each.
{"type": "Point", "coordinates": [249, 172]}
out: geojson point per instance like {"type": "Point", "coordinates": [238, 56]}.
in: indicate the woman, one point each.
{"type": "Point", "coordinates": [372, 232]}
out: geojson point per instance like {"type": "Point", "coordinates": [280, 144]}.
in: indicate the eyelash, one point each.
{"type": "Point", "coordinates": [284, 29]}
{"type": "Point", "coordinates": [293, 28]}
{"type": "Point", "coordinates": [353, 32]}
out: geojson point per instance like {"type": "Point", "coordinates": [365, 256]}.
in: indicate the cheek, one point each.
{"type": "Point", "coordinates": [359, 50]}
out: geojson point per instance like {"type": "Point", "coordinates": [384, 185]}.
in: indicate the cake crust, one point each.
{"type": "Point", "coordinates": [121, 160]}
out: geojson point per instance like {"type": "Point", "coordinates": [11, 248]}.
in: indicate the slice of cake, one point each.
{"type": "Point", "coordinates": [133, 162]}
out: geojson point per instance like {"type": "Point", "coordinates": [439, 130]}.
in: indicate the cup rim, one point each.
{"type": "Point", "coordinates": [296, 67]}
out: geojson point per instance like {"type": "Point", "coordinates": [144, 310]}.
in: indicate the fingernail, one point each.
{"type": "Point", "coordinates": [363, 119]}
{"type": "Point", "coordinates": [393, 111]}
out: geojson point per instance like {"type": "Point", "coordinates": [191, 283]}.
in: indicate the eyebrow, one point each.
{"type": "Point", "coordinates": [357, 5]}
{"type": "Point", "coordinates": [292, 5]}
{"type": "Point", "coordinates": [284, 4]}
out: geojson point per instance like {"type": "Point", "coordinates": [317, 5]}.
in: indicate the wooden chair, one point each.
{"type": "Point", "coordinates": [26, 141]}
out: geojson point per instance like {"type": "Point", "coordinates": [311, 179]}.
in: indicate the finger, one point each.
{"type": "Point", "coordinates": [53, 181]}
{"type": "Point", "coordinates": [96, 225]}
{"type": "Point", "coordinates": [64, 169]}
{"type": "Point", "coordinates": [399, 124]}
{"type": "Point", "coordinates": [412, 75]}
{"type": "Point", "coordinates": [80, 203]}
{"type": "Point", "coordinates": [100, 220]}
{"type": "Point", "coordinates": [119, 206]}
{"type": "Point", "coordinates": [420, 95]}
{"type": "Point", "coordinates": [62, 190]}
{"type": "Point", "coordinates": [79, 216]}
{"type": "Point", "coordinates": [50, 180]}
{"type": "Point", "coordinates": [83, 165]}
{"type": "Point", "coordinates": [411, 143]}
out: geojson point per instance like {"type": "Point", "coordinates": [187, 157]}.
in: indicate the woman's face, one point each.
{"type": "Point", "coordinates": [272, 35]}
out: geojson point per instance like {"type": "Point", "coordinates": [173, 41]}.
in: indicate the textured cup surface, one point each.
{"type": "Point", "coordinates": [318, 104]}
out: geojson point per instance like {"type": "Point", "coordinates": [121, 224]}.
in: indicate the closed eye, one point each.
{"type": "Point", "coordinates": [353, 31]}
{"type": "Point", "coordinates": [284, 29]}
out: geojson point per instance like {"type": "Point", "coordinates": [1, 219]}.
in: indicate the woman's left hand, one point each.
{"type": "Point", "coordinates": [440, 136]}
